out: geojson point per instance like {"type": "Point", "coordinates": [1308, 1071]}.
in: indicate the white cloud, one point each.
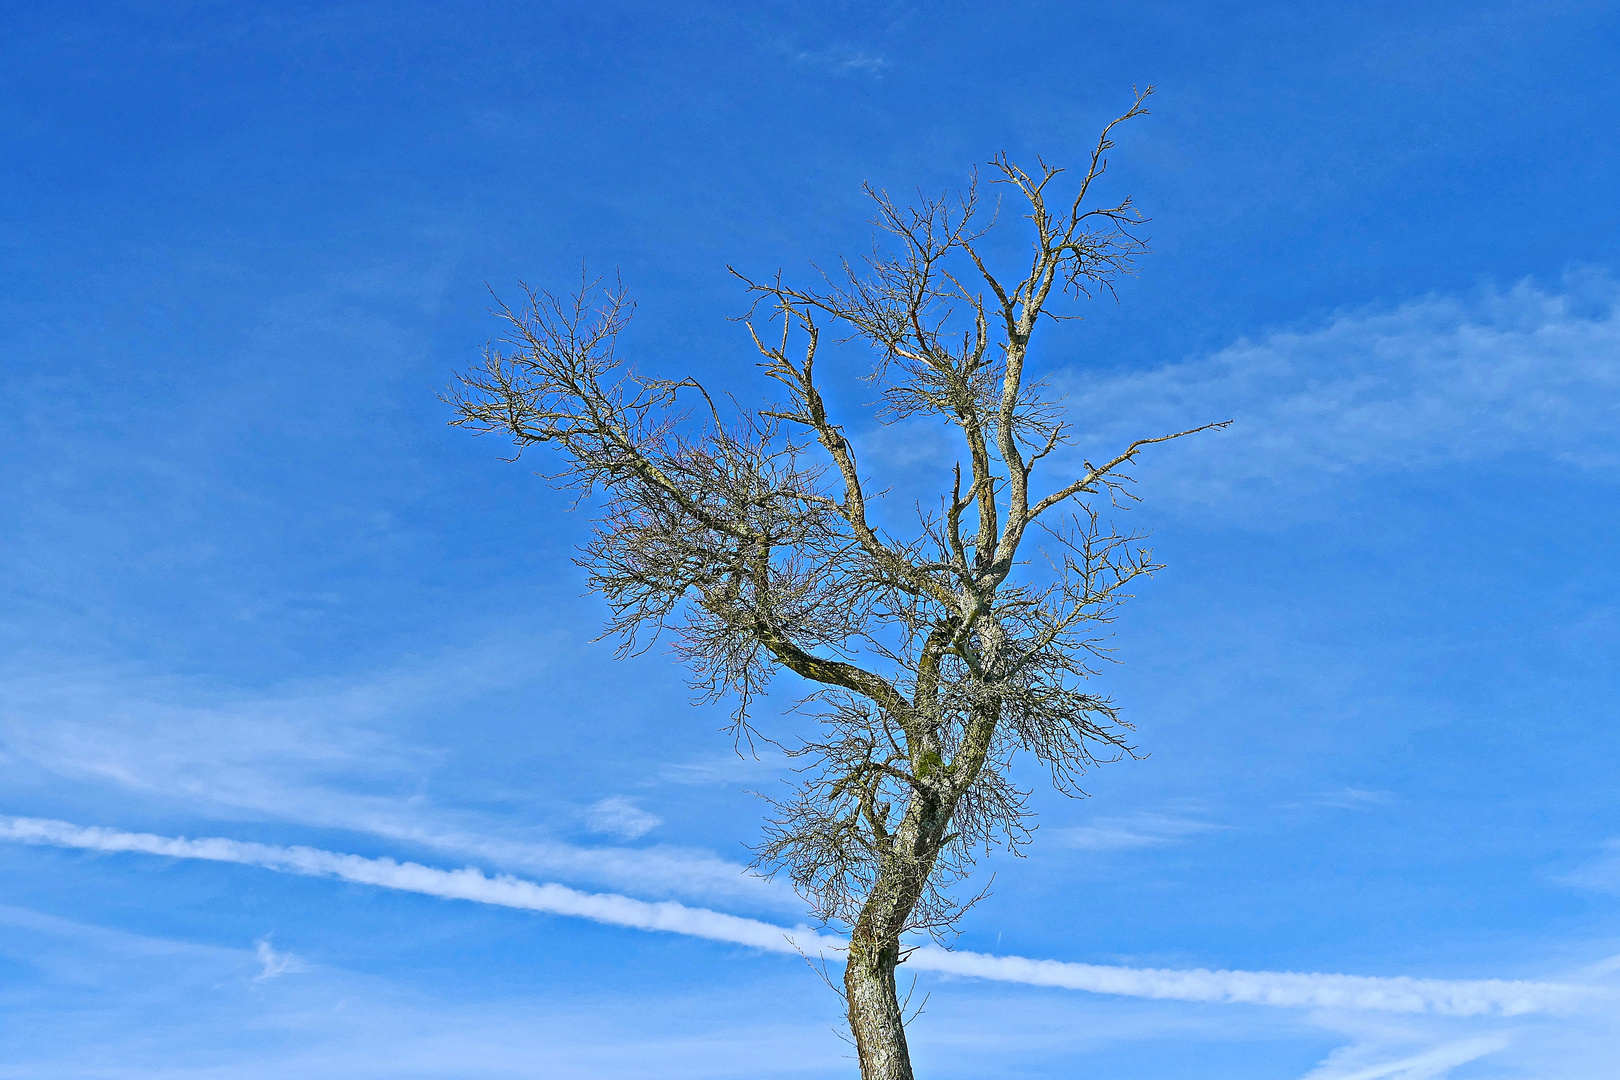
{"type": "Point", "coordinates": [732, 768]}
{"type": "Point", "coordinates": [1523, 373]}
{"type": "Point", "coordinates": [620, 817]}
{"type": "Point", "coordinates": [1429, 1064]}
{"type": "Point", "coordinates": [844, 60]}
{"type": "Point", "coordinates": [1284, 989]}
{"type": "Point", "coordinates": [320, 756]}
{"type": "Point", "coordinates": [1432, 382]}
{"type": "Point", "coordinates": [273, 964]}
{"type": "Point", "coordinates": [83, 1001]}
{"type": "Point", "coordinates": [1132, 831]}
{"type": "Point", "coordinates": [1354, 799]}
{"type": "Point", "coordinates": [466, 884]}
{"type": "Point", "coordinates": [1601, 874]}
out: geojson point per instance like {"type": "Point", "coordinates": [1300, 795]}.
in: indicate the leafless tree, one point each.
{"type": "Point", "coordinates": [934, 651]}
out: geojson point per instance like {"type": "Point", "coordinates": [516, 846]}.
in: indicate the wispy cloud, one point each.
{"type": "Point", "coordinates": [86, 1000]}
{"type": "Point", "coordinates": [1350, 798]}
{"type": "Point", "coordinates": [1429, 1064]}
{"type": "Point", "coordinates": [273, 964]}
{"type": "Point", "coordinates": [1444, 380]}
{"type": "Point", "coordinates": [733, 768]}
{"type": "Point", "coordinates": [844, 60]}
{"type": "Point", "coordinates": [319, 756]}
{"type": "Point", "coordinates": [465, 884]}
{"type": "Point", "coordinates": [620, 816]}
{"type": "Point", "coordinates": [1284, 989]}
{"type": "Point", "coordinates": [1131, 831]}
{"type": "Point", "coordinates": [1600, 874]}
{"type": "Point", "coordinates": [1437, 381]}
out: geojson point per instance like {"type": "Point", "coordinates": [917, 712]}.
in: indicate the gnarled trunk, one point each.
{"type": "Point", "coordinates": [875, 1016]}
{"type": "Point", "coordinates": [874, 1010]}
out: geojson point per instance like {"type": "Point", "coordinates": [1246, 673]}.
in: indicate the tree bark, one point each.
{"type": "Point", "coordinates": [875, 1014]}
{"type": "Point", "coordinates": [874, 1010]}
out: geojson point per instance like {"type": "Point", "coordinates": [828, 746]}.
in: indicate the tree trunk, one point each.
{"type": "Point", "coordinates": [874, 1010]}
{"type": "Point", "coordinates": [875, 1016]}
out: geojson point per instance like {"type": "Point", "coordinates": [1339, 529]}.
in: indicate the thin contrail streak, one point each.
{"type": "Point", "coordinates": [1286, 989]}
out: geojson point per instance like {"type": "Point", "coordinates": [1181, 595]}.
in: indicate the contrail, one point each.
{"type": "Point", "coordinates": [1285, 989]}
{"type": "Point", "coordinates": [468, 884]}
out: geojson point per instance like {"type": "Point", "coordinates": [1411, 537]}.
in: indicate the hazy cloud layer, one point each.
{"type": "Point", "coordinates": [1427, 1064]}
{"type": "Point", "coordinates": [1131, 831]}
{"type": "Point", "coordinates": [323, 757]}
{"type": "Point", "coordinates": [85, 1000]}
{"type": "Point", "coordinates": [1599, 874]}
{"type": "Point", "coordinates": [1432, 382]}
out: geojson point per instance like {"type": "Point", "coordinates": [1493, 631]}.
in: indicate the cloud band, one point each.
{"type": "Point", "coordinates": [1285, 989]}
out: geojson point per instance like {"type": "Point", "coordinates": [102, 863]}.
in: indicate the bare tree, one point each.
{"type": "Point", "coordinates": [934, 651]}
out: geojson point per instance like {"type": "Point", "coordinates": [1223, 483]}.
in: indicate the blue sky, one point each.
{"type": "Point", "coordinates": [255, 589]}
